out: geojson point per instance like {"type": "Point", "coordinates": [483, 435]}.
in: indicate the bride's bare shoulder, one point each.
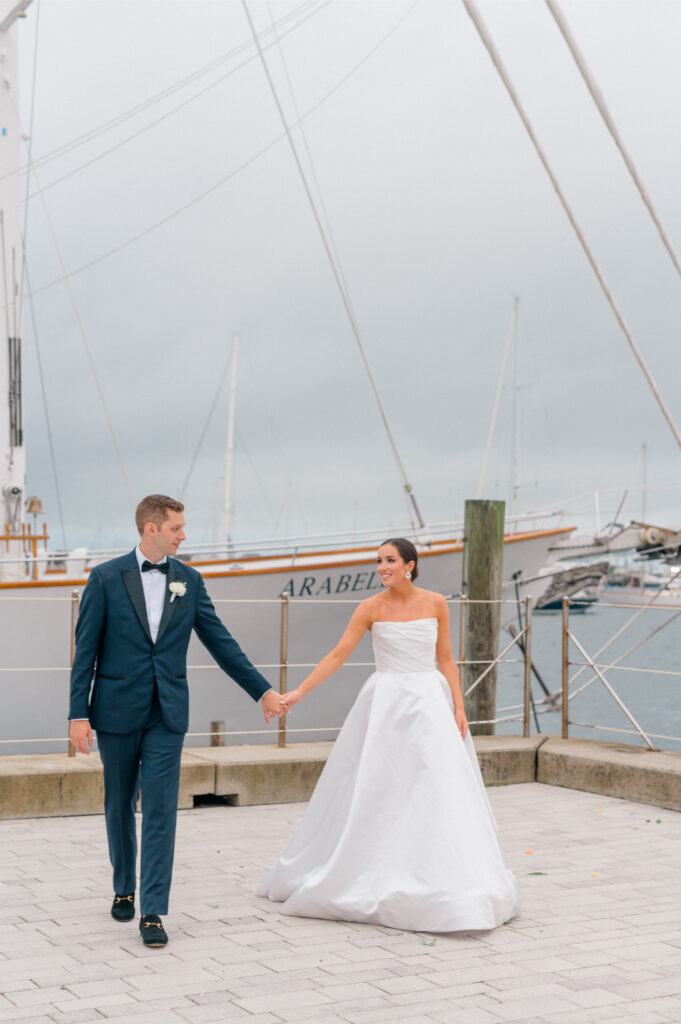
{"type": "Point", "coordinates": [436, 602]}
{"type": "Point", "coordinates": [370, 608]}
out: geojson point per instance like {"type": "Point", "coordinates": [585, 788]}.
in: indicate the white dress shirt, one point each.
{"type": "Point", "coordinates": [154, 587]}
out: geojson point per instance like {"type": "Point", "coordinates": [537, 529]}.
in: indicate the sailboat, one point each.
{"type": "Point", "coordinates": [319, 577]}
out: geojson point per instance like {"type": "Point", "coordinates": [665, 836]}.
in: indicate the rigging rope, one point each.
{"type": "Point", "coordinates": [87, 348]}
{"type": "Point", "coordinates": [26, 282]}
{"type": "Point", "coordinates": [169, 113]}
{"type": "Point", "coordinates": [113, 122]}
{"type": "Point", "coordinates": [313, 171]}
{"type": "Point", "coordinates": [488, 42]}
{"type": "Point", "coordinates": [497, 397]}
{"type": "Point", "coordinates": [232, 174]}
{"type": "Point", "coordinates": [202, 436]}
{"type": "Point", "coordinates": [335, 270]}
{"type": "Point", "coordinates": [603, 110]}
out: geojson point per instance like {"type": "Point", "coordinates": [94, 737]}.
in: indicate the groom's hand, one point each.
{"type": "Point", "coordinates": [271, 705]}
{"type": "Point", "coordinates": [80, 734]}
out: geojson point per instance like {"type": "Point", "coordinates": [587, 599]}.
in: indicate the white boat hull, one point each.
{"type": "Point", "coordinates": [35, 632]}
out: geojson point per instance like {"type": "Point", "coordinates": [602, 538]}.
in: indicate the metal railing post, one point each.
{"type": "Point", "coordinates": [462, 634]}
{"type": "Point", "coordinates": [283, 658]}
{"type": "Point", "coordinates": [528, 666]}
{"type": "Point", "coordinates": [217, 734]}
{"type": "Point", "coordinates": [75, 603]}
{"type": "Point", "coordinates": [566, 664]}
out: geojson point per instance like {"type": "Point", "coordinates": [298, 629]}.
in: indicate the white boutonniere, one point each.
{"type": "Point", "coordinates": [178, 588]}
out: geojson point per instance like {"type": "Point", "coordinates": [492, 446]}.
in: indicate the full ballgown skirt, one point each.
{"type": "Point", "coordinates": [399, 831]}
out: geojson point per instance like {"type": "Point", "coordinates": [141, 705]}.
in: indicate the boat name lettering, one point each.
{"type": "Point", "coordinates": [346, 583]}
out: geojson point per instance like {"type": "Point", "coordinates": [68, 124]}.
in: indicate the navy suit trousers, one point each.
{"type": "Point", "coordinates": [146, 761]}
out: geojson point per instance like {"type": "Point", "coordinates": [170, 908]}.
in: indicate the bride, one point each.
{"type": "Point", "coordinates": [398, 831]}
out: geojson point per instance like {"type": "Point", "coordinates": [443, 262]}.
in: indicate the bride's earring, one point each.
{"type": "Point", "coordinates": [407, 575]}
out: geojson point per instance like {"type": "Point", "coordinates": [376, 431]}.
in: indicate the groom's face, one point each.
{"type": "Point", "coordinates": [168, 537]}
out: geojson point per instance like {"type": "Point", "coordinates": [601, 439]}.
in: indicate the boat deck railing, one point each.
{"type": "Point", "coordinates": [587, 669]}
{"type": "Point", "coordinates": [291, 547]}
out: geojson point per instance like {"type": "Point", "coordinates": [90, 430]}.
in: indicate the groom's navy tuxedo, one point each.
{"type": "Point", "coordinates": [139, 705]}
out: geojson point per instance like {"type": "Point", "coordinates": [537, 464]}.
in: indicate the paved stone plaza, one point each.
{"type": "Point", "coordinates": [599, 938]}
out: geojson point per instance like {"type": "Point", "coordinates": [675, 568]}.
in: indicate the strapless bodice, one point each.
{"type": "Point", "coordinates": [405, 646]}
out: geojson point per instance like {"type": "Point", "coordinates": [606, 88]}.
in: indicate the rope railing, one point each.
{"type": "Point", "coordinates": [519, 712]}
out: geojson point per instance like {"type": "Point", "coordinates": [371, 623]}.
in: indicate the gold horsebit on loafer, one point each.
{"type": "Point", "coordinates": [119, 899]}
{"type": "Point", "coordinates": [153, 924]}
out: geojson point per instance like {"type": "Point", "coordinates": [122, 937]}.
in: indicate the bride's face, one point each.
{"type": "Point", "coordinates": [390, 566]}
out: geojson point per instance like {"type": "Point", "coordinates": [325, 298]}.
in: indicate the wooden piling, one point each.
{"type": "Point", "coordinates": [483, 553]}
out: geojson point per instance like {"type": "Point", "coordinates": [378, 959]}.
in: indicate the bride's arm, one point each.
{"type": "Point", "coordinates": [447, 665]}
{"type": "Point", "coordinates": [359, 623]}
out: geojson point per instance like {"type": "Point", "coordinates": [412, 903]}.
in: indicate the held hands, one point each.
{"type": "Point", "coordinates": [289, 699]}
{"type": "Point", "coordinates": [271, 705]}
{"type": "Point", "coordinates": [80, 735]}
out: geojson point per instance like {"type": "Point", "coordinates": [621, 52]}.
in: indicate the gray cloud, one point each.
{"type": "Point", "coordinates": [441, 213]}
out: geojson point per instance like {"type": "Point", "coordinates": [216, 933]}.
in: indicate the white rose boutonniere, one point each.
{"type": "Point", "coordinates": [178, 588]}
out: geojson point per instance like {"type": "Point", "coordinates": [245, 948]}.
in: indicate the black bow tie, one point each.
{"type": "Point", "coordinates": [160, 567]}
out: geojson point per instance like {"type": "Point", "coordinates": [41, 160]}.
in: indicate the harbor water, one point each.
{"type": "Point", "coordinates": [652, 697]}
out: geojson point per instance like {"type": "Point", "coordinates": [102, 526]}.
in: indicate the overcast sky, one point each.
{"type": "Point", "coordinates": [441, 214]}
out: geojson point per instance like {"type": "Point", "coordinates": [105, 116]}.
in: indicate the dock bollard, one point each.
{"type": "Point", "coordinates": [75, 604]}
{"type": "Point", "coordinates": [283, 658]}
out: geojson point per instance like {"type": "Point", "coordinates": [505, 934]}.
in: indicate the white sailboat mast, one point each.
{"type": "Point", "coordinates": [515, 485]}
{"type": "Point", "coordinates": [644, 480]}
{"type": "Point", "coordinates": [12, 453]}
{"type": "Point", "coordinates": [229, 452]}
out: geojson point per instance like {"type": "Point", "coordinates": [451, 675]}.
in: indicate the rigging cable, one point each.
{"type": "Point", "coordinates": [270, 421]}
{"type": "Point", "coordinates": [87, 348]}
{"type": "Point", "coordinates": [497, 397]}
{"type": "Point", "coordinates": [163, 117]}
{"type": "Point", "coordinates": [113, 122]}
{"type": "Point", "coordinates": [488, 42]}
{"type": "Point", "coordinates": [603, 110]}
{"type": "Point", "coordinates": [222, 181]}
{"type": "Point", "coordinates": [313, 171]}
{"type": "Point", "coordinates": [323, 207]}
{"type": "Point", "coordinates": [334, 268]}
{"type": "Point", "coordinates": [202, 436]}
{"type": "Point", "coordinates": [26, 278]}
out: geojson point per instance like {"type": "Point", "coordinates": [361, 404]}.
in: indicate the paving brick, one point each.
{"type": "Point", "coordinates": [584, 950]}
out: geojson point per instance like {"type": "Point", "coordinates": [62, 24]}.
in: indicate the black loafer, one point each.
{"type": "Point", "coordinates": [123, 907]}
{"type": "Point", "coordinates": [152, 931]}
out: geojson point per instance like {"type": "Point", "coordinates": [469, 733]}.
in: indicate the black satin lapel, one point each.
{"type": "Point", "coordinates": [133, 584]}
{"type": "Point", "coordinates": [168, 605]}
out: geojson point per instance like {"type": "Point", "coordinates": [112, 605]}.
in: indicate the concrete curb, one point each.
{"type": "Point", "coordinates": [52, 785]}
{"type": "Point", "coordinates": [613, 769]}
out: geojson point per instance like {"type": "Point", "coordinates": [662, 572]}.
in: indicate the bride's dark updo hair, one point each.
{"type": "Point", "coordinates": [406, 551]}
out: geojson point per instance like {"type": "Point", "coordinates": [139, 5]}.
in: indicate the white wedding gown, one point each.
{"type": "Point", "coordinates": [398, 831]}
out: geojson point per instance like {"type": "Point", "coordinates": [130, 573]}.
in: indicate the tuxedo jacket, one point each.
{"type": "Point", "coordinates": [114, 647]}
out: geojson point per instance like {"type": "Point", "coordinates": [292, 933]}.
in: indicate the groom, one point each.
{"type": "Point", "coordinates": [136, 618]}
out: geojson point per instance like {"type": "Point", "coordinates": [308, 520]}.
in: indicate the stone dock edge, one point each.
{"type": "Point", "coordinates": [51, 785]}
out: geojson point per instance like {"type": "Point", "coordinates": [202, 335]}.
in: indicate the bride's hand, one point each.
{"type": "Point", "coordinates": [289, 699]}
{"type": "Point", "coordinates": [461, 721]}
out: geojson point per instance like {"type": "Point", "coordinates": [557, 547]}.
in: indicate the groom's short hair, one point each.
{"type": "Point", "coordinates": [154, 509]}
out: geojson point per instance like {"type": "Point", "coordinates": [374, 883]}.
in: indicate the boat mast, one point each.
{"type": "Point", "coordinates": [12, 453]}
{"type": "Point", "coordinates": [227, 509]}
{"type": "Point", "coordinates": [644, 480]}
{"type": "Point", "coordinates": [516, 427]}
